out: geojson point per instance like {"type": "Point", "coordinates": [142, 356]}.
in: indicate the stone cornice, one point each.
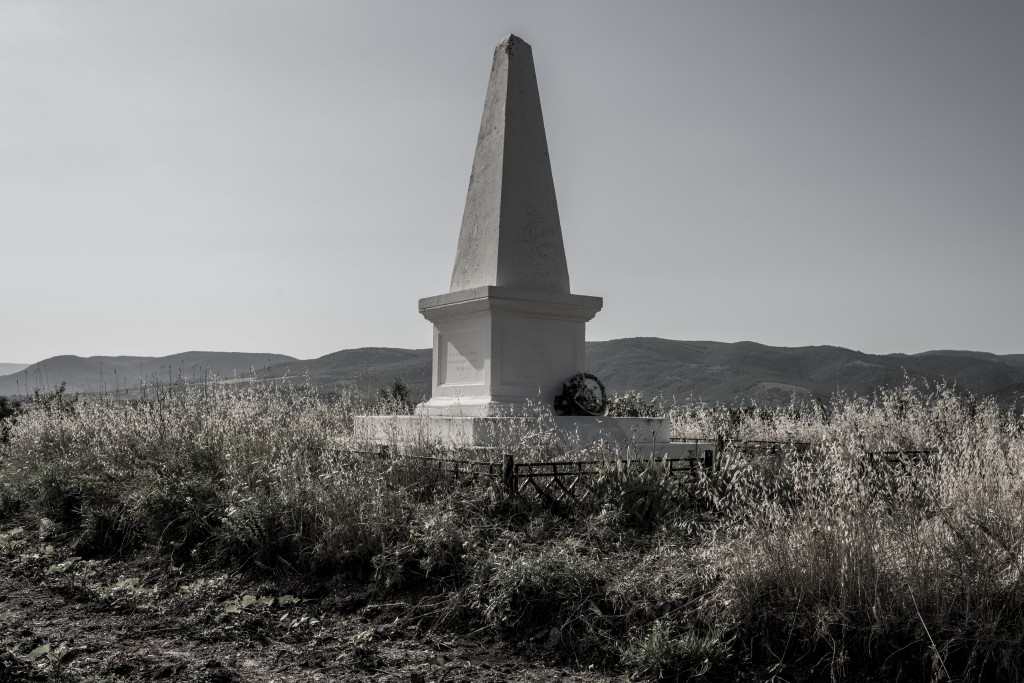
{"type": "Point", "coordinates": [510, 300]}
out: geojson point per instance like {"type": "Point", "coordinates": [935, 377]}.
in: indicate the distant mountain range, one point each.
{"type": "Point", "coordinates": [108, 373]}
{"type": "Point", "coordinates": [769, 375]}
{"type": "Point", "coordinates": [11, 368]}
{"type": "Point", "coordinates": [684, 370]}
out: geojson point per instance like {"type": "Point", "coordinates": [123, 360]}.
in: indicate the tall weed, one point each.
{"type": "Point", "coordinates": [890, 544]}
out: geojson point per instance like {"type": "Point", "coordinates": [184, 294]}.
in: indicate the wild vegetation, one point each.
{"type": "Point", "coordinates": [883, 541]}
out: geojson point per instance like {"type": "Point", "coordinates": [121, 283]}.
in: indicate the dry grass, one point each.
{"type": "Point", "coordinates": [829, 560]}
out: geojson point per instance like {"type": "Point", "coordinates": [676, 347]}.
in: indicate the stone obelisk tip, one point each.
{"type": "Point", "coordinates": [512, 40]}
{"type": "Point", "coordinates": [511, 235]}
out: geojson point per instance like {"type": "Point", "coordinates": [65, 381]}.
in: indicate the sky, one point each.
{"type": "Point", "coordinates": [289, 177]}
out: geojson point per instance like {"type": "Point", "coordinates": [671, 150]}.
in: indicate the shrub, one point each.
{"type": "Point", "coordinates": [643, 493]}
{"type": "Point", "coordinates": [394, 399]}
{"type": "Point", "coordinates": [9, 409]}
{"type": "Point", "coordinates": [633, 404]}
{"type": "Point", "coordinates": [522, 589]}
{"type": "Point", "coordinates": [163, 469]}
{"type": "Point", "coordinates": [436, 548]}
{"type": "Point", "coordinates": [662, 655]}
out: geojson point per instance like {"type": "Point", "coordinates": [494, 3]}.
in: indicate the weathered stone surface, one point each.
{"type": "Point", "coordinates": [511, 235]}
{"type": "Point", "coordinates": [502, 350]}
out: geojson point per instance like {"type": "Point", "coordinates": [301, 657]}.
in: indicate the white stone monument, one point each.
{"type": "Point", "coordinates": [508, 331]}
{"type": "Point", "coordinates": [509, 334]}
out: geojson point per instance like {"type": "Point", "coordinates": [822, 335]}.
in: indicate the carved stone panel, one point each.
{"type": "Point", "coordinates": [535, 357]}
{"type": "Point", "coordinates": [461, 357]}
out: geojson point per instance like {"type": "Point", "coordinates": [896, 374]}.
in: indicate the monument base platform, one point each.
{"type": "Point", "coordinates": [479, 406]}
{"type": "Point", "coordinates": [600, 436]}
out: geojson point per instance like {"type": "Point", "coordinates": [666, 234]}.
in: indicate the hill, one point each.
{"type": "Point", "coordinates": [734, 372]}
{"type": "Point", "coordinates": [692, 370]}
{"type": "Point", "coordinates": [11, 368]}
{"type": "Point", "coordinates": [685, 370]}
{"type": "Point", "coordinates": [99, 373]}
{"type": "Point", "coordinates": [365, 369]}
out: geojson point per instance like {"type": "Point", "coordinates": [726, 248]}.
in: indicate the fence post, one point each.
{"type": "Point", "coordinates": [508, 474]}
{"type": "Point", "coordinates": [719, 447]}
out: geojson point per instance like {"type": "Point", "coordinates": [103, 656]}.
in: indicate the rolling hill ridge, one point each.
{"type": "Point", "coordinates": [105, 373]}
{"type": "Point", "coordinates": [11, 368]}
{"type": "Point", "coordinates": [684, 370]}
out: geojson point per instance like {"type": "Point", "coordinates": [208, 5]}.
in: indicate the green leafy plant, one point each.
{"type": "Point", "coordinates": [663, 655]}
{"type": "Point", "coordinates": [633, 404]}
{"type": "Point", "coordinates": [394, 399]}
{"type": "Point", "coordinates": [522, 589]}
{"type": "Point", "coordinates": [53, 659]}
{"type": "Point", "coordinates": [643, 492]}
{"type": "Point", "coordinates": [9, 409]}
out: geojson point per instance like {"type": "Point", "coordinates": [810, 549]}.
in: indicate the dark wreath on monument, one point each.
{"type": "Point", "coordinates": [583, 394]}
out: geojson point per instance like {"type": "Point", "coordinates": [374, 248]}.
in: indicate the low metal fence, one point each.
{"type": "Point", "coordinates": [569, 482]}
{"type": "Point", "coordinates": [572, 482]}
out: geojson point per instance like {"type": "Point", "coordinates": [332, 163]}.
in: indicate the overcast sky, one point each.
{"type": "Point", "coordinates": [289, 177]}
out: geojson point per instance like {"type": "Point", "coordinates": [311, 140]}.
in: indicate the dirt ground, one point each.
{"type": "Point", "coordinates": [65, 618]}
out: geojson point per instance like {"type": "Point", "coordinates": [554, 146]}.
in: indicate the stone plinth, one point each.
{"type": "Point", "coordinates": [641, 437]}
{"type": "Point", "coordinates": [499, 350]}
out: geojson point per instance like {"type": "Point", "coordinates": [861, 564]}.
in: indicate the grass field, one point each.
{"type": "Point", "coordinates": [832, 562]}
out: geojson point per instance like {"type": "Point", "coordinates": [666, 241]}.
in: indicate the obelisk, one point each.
{"type": "Point", "coordinates": [511, 235]}
{"type": "Point", "coordinates": [509, 332]}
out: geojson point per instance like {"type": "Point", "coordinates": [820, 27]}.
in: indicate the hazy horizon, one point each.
{"type": "Point", "coordinates": [290, 178]}
{"type": "Point", "coordinates": [427, 347]}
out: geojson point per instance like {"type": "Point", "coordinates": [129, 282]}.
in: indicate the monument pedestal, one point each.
{"type": "Point", "coordinates": [501, 351]}
{"type": "Point", "coordinates": [597, 436]}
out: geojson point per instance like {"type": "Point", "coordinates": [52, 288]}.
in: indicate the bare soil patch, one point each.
{"type": "Point", "coordinates": [136, 618]}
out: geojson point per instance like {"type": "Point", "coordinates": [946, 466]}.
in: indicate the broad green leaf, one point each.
{"type": "Point", "coordinates": [61, 567]}
{"type": "Point", "coordinates": [40, 651]}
